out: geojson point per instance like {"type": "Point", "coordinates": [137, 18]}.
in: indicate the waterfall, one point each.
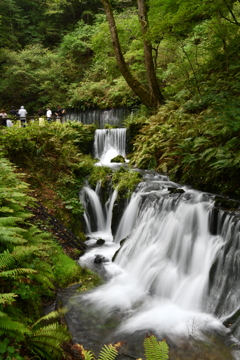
{"type": "Point", "coordinates": [100, 117]}
{"type": "Point", "coordinates": [109, 143]}
{"type": "Point", "coordinates": [171, 272]}
{"type": "Point", "coordinates": [101, 216]}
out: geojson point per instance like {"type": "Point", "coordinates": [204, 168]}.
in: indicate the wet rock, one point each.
{"type": "Point", "coordinates": [100, 242]}
{"type": "Point", "coordinates": [121, 245]}
{"type": "Point", "coordinates": [99, 259]}
{"type": "Point", "coordinates": [225, 203]}
{"type": "Point", "coordinates": [173, 190]}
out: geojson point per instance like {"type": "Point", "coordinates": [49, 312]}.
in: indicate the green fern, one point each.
{"type": "Point", "coordinates": [7, 259]}
{"type": "Point", "coordinates": [46, 341]}
{"type": "Point", "coordinates": [11, 236]}
{"type": "Point", "coordinates": [155, 350]}
{"type": "Point", "coordinates": [53, 315]}
{"type": "Point", "coordinates": [108, 352]}
{"type": "Point", "coordinates": [7, 298]}
{"type": "Point", "coordinates": [16, 272]}
{"type": "Point", "coordinates": [9, 326]}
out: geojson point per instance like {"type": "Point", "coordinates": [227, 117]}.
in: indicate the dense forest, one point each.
{"type": "Point", "coordinates": [175, 62]}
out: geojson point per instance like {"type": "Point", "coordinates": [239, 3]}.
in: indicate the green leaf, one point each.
{"type": "Point", "coordinates": [3, 345]}
{"type": "Point", "coordinates": [11, 349]}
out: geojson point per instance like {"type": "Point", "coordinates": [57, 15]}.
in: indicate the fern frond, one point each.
{"type": "Point", "coordinates": [8, 325]}
{"type": "Point", "coordinates": [209, 154]}
{"type": "Point", "coordinates": [7, 298]}
{"type": "Point", "coordinates": [48, 340]}
{"type": "Point", "coordinates": [5, 209]}
{"type": "Point", "coordinates": [6, 259]}
{"type": "Point", "coordinates": [52, 315]}
{"type": "Point", "coordinates": [43, 279]}
{"type": "Point", "coordinates": [108, 352]}
{"type": "Point", "coordinates": [15, 272]}
{"type": "Point", "coordinates": [11, 235]}
{"type": "Point", "coordinates": [222, 164]}
{"type": "Point", "coordinates": [155, 350]}
{"type": "Point", "coordinates": [85, 354]}
{"type": "Point", "coordinates": [46, 352]}
{"type": "Point", "coordinates": [20, 253]}
{"type": "Point", "coordinates": [54, 333]}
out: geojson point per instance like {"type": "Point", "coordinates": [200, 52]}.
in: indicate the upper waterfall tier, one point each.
{"type": "Point", "coordinates": [100, 117]}
{"type": "Point", "coordinates": [109, 143]}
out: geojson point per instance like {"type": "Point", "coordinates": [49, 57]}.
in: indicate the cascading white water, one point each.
{"type": "Point", "coordinates": [159, 279]}
{"type": "Point", "coordinates": [170, 273]}
{"type": "Point", "coordinates": [109, 143]}
{"type": "Point", "coordinates": [98, 222]}
{"type": "Point", "coordinates": [102, 216]}
{"type": "Point", "coordinates": [100, 117]}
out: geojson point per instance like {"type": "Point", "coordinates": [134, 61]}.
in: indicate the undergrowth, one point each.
{"type": "Point", "coordinates": [196, 149]}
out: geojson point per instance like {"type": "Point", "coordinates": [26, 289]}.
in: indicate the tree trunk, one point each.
{"type": "Point", "coordinates": [149, 64]}
{"type": "Point", "coordinates": [145, 96]}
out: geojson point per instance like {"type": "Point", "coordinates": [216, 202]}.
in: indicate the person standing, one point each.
{"type": "Point", "coordinates": [13, 112]}
{"type": "Point", "coordinates": [3, 118]}
{"type": "Point", "coordinates": [64, 113]}
{"type": "Point", "coordinates": [22, 112]}
{"type": "Point", "coordinates": [49, 115]}
{"type": "Point", "coordinates": [13, 116]}
{"type": "Point", "coordinates": [58, 113]}
{"type": "Point", "coordinates": [40, 113]}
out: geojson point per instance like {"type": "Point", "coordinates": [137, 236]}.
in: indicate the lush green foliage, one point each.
{"type": "Point", "coordinates": [102, 174]}
{"type": "Point", "coordinates": [62, 52]}
{"type": "Point", "coordinates": [198, 149]}
{"type": "Point", "coordinates": [53, 155]}
{"type": "Point", "coordinates": [31, 266]}
{"type": "Point", "coordinates": [125, 181]}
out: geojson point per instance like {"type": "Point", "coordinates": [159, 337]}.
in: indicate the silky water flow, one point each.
{"type": "Point", "coordinates": [173, 274]}
{"type": "Point", "coordinates": [108, 143]}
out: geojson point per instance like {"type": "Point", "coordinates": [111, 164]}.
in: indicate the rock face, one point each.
{"type": "Point", "coordinates": [225, 203]}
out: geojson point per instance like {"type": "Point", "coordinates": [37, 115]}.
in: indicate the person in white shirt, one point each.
{"type": "Point", "coordinates": [23, 116]}
{"type": "Point", "coordinates": [49, 115]}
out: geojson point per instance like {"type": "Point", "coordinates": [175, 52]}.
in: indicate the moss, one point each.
{"type": "Point", "coordinates": [102, 174]}
{"type": "Point", "coordinates": [125, 181]}
{"type": "Point", "coordinates": [108, 126]}
{"type": "Point", "coordinates": [118, 159]}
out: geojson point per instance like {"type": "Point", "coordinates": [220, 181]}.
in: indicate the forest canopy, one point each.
{"type": "Point", "coordinates": [61, 52]}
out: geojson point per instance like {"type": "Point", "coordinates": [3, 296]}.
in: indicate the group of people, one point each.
{"type": "Point", "coordinates": [58, 113]}
{"type": "Point", "coordinates": [21, 115]}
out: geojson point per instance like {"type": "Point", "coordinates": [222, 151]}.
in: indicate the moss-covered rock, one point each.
{"type": "Point", "coordinates": [118, 159]}
{"type": "Point", "coordinates": [226, 203]}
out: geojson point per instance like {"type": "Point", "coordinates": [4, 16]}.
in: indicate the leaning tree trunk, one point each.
{"type": "Point", "coordinates": [145, 96]}
{"type": "Point", "coordinates": [149, 64]}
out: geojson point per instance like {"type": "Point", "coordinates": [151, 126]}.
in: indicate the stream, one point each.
{"type": "Point", "coordinates": [175, 272]}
